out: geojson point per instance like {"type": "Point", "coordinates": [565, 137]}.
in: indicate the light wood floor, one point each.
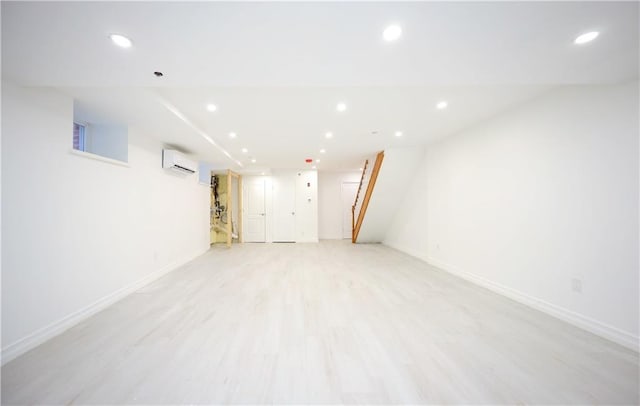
{"type": "Point", "coordinates": [320, 323]}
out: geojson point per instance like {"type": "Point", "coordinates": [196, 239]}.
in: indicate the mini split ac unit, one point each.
{"type": "Point", "coordinates": [172, 159]}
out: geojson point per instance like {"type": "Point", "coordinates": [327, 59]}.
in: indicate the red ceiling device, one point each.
{"type": "Point", "coordinates": [308, 160]}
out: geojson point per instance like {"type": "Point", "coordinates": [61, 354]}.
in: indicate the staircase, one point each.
{"type": "Point", "coordinates": [381, 190]}
{"type": "Point", "coordinates": [367, 182]}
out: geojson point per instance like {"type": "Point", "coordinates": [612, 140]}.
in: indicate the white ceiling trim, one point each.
{"type": "Point", "coordinates": [198, 130]}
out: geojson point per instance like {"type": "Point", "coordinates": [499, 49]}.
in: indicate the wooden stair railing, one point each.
{"type": "Point", "coordinates": [355, 225]}
{"type": "Point", "coordinates": [355, 203]}
{"type": "Point", "coordinates": [364, 170]}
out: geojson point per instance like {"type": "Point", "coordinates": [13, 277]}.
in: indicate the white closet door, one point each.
{"type": "Point", "coordinates": [254, 221]}
{"type": "Point", "coordinates": [284, 208]}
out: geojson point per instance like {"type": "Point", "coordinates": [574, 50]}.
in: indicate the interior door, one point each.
{"type": "Point", "coordinates": [284, 208]}
{"type": "Point", "coordinates": [254, 220]}
{"type": "Point", "coordinates": [349, 190]}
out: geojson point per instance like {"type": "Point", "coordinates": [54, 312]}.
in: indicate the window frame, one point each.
{"type": "Point", "coordinates": [82, 136]}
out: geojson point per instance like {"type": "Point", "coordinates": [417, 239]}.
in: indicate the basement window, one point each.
{"type": "Point", "coordinates": [79, 134]}
{"type": "Point", "coordinates": [96, 134]}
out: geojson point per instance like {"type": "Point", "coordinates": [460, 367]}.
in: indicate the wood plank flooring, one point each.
{"type": "Point", "coordinates": [320, 323]}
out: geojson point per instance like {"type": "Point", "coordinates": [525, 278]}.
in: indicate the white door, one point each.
{"type": "Point", "coordinates": [254, 203]}
{"type": "Point", "coordinates": [349, 190]}
{"type": "Point", "coordinates": [284, 208]}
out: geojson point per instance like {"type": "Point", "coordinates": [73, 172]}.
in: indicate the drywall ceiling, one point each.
{"type": "Point", "coordinates": [276, 70]}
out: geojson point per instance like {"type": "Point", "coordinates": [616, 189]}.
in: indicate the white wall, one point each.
{"type": "Point", "coordinates": [307, 206]}
{"type": "Point", "coordinates": [534, 198]}
{"type": "Point", "coordinates": [110, 141]}
{"type": "Point", "coordinates": [397, 170]}
{"type": "Point", "coordinates": [330, 203]}
{"type": "Point", "coordinates": [204, 172]}
{"type": "Point", "coordinates": [80, 233]}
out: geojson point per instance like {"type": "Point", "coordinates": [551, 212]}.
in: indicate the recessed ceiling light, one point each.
{"type": "Point", "coordinates": [317, 161]}
{"type": "Point", "coordinates": [442, 105]}
{"type": "Point", "coordinates": [121, 40]}
{"type": "Point", "coordinates": [328, 135]}
{"type": "Point", "coordinates": [262, 173]}
{"type": "Point", "coordinates": [586, 37]}
{"type": "Point", "coordinates": [232, 135]}
{"type": "Point", "coordinates": [360, 169]}
{"type": "Point", "coordinates": [322, 151]}
{"type": "Point", "coordinates": [341, 107]}
{"type": "Point", "coordinates": [244, 150]}
{"type": "Point", "coordinates": [313, 167]}
{"type": "Point", "coordinates": [398, 134]}
{"type": "Point", "coordinates": [392, 33]}
{"type": "Point", "coordinates": [253, 160]}
{"type": "Point", "coordinates": [212, 107]}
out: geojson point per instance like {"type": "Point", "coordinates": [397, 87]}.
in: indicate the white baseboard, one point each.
{"type": "Point", "coordinates": [43, 334]}
{"type": "Point", "coordinates": [603, 330]}
{"type": "Point", "coordinates": [409, 251]}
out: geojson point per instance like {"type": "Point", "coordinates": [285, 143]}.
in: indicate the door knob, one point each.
{"type": "Point", "coordinates": [293, 213]}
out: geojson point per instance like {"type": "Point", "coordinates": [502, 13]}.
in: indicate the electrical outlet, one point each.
{"type": "Point", "coordinates": [576, 285]}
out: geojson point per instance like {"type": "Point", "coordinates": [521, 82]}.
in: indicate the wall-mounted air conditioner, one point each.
{"type": "Point", "coordinates": [172, 159]}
